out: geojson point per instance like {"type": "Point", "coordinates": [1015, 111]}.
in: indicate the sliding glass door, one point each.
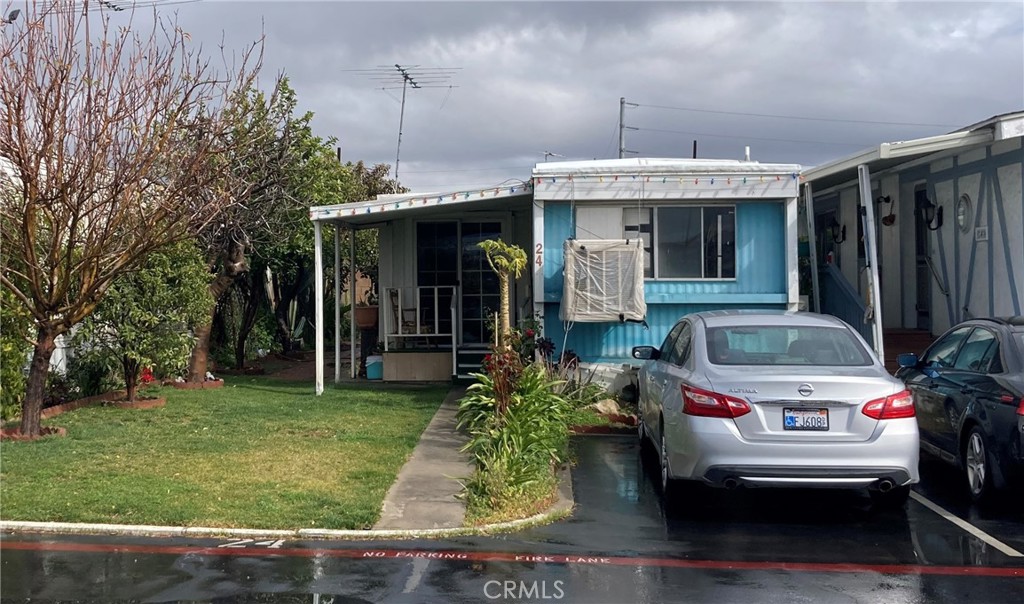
{"type": "Point", "coordinates": [480, 298]}
{"type": "Point", "coordinates": [447, 254]}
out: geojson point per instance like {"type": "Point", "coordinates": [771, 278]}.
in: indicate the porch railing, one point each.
{"type": "Point", "coordinates": [840, 299]}
{"type": "Point", "coordinates": [415, 316]}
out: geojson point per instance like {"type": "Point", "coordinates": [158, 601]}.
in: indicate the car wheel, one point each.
{"type": "Point", "coordinates": [666, 480]}
{"type": "Point", "coordinates": [892, 499]}
{"type": "Point", "coordinates": [978, 466]}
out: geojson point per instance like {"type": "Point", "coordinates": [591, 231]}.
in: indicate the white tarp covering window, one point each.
{"type": "Point", "coordinates": [604, 281]}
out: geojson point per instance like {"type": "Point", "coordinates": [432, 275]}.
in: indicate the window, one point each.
{"type": "Point", "coordinates": [437, 261]}
{"type": "Point", "coordinates": [685, 242]}
{"type": "Point", "coordinates": [670, 339]}
{"type": "Point", "coordinates": [777, 345]}
{"type": "Point", "coordinates": [719, 242]}
{"type": "Point", "coordinates": [638, 223]}
{"type": "Point", "coordinates": [679, 350]}
{"type": "Point", "coordinates": [943, 352]}
{"type": "Point", "coordinates": [977, 352]}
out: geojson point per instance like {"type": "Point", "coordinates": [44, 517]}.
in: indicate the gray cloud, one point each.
{"type": "Point", "coordinates": [541, 77]}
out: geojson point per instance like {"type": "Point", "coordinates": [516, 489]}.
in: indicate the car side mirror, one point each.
{"type": "Point", "coordinates": [646, 353]}
{"type": "Point", "coordinates": [907, 359]}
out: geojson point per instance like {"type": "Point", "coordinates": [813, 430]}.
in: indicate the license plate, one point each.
{"type": "Point", "coordinates": [805, 419]}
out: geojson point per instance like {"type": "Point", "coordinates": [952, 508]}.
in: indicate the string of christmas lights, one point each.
{"type": "Point", "coordinates": [664, 179]}
{"type": "Point", "coordinates": [418, 200]}
{"type": "Point", "coordinates": [726, 180]}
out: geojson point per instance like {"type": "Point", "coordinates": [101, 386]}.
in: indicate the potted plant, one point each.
{"type": "Point", "coordinates": [366, 310]}
{"type": "Point", "coordinates": [367, 259]}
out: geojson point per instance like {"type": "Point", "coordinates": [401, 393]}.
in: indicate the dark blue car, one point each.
{"type": "Point", "coordinates": [969, 392]}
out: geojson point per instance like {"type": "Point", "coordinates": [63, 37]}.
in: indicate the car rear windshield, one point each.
{"type": "Point", "coordinates": [780, 345]}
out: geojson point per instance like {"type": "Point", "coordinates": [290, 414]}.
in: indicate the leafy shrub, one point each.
{"type": "Point", "coordinates": [518, 447]}
{"type": "Point", "coordinates": [94, 371]}
{"type": "Point", "coordinates": [60, 389]}
{"type": "Point", "coordinates": [143, 319]}
{"type": "Point", "coordinates": [14, 350]}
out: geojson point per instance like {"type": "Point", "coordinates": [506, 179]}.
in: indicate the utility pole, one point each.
{"type": "Point", "coordinates": [623, 127]}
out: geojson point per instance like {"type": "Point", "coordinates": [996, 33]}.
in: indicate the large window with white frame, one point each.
{"type": "Point", "coordinates": [684, 242]}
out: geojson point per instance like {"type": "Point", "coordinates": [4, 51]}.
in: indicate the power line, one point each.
{"type": "Point", "coordinates": [796, 117]}
{"type": "Point", "coordinates": [608, 147]}
{"type": "Point", "coordinates": [530, 167]}
{"type": "Point", "coordinates": [756, 138]}
{"type": "Point", "coordinates": [111, 5]}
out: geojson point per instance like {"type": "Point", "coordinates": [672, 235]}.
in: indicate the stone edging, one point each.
{"type": "Point", "coordinates": [98, 399]}
{"type": "Point", "coordinates": [561, 508]}
{"type": "Point", "coordinates": [142, 403]}
{"type": "Point", "coordinates": [15, 433]}
{"type": "Point", "coordinates": [204, 385]}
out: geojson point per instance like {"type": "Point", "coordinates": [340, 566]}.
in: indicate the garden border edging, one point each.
{"type": "Point", "coordinates": [561, 508]}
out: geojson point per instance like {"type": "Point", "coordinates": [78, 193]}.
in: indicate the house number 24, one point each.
{"type": "Point", "coordinates": [540, 254]}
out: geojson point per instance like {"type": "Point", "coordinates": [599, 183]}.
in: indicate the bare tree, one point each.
{"type": "Point", "coordinates": [106, 140]}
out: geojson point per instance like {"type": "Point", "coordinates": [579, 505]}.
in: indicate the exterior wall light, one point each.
{"type": "Point", "coordinates": [837, 231]}
{"type": "Point", "coordinates": [931, 213]}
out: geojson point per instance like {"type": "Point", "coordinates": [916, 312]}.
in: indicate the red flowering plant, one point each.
{"type": "Point", "coordinates": [503, 368]}
{"type": "Point", "coordinates": [525, 340]}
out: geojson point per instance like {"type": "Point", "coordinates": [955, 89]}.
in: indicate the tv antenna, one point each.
{"type": "Point", "coordinates": [548, 154]}
{"type": "Point", "coordinates": [405, 77]}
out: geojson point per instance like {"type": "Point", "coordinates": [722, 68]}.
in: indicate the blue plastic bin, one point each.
{"type": "Point", "coordinates": [374, 367]}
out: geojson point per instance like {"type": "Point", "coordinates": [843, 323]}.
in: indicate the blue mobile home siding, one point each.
{"type": "Point", "coordinates": [760, 283]}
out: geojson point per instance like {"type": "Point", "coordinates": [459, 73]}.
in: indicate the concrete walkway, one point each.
{"type": "Point", "coordinates": [424, 494]}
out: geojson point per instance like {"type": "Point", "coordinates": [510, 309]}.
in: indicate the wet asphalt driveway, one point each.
{"type": "Point", "coordinates": [621, 545]}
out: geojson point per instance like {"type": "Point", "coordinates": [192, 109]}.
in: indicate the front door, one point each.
{"type": "Point", "coordinates": [480, 298]}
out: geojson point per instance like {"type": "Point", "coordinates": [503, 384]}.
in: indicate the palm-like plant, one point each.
{"type": "Point", "coordinates": [505, 260]}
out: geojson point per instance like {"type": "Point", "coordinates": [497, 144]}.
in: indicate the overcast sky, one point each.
{"type": "Point", "coordinates": [535, 77]}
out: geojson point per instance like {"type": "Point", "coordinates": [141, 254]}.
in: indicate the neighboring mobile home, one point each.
{"type": "Point", "coordinates": [695, 235]}
{"type": "Point", "coordinates": [947, 218]}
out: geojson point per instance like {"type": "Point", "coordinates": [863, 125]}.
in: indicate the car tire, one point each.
{"type": "Point", "coordinates": [978, 466]}
{"type": "Point", "coordinates": [893, 499]}
{"type": "Point", "coordinates": [667, 482]}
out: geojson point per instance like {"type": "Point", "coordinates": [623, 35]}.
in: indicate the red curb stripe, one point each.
{"type": "Point", "coordinates": [385, 554]}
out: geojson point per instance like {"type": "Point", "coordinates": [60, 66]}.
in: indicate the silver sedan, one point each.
{"type": "Point", "coordinates": [774, 398]}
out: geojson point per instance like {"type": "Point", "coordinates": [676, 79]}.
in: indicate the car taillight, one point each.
{"type": "Point", "coordinates": [1020, 407]}
{"type": "Point", "coordinates": [704, 403]}
{"type": "Point", "coordinates": [894, 406]}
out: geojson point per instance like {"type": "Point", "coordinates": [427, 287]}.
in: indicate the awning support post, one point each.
{"type": "Point", "coordinates": [318, 263]}
{"type": "Point", "coordinates": [337, 303]}
{"type": "Point", "coordinates": [812, 242]}
{"type": "Point", "coordinates": [871, 253]}
{"type": "Point", "coordinates": [352, 300]}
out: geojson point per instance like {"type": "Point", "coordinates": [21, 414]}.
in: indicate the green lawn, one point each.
{"type": "Point", "coordinates": [258, 453]}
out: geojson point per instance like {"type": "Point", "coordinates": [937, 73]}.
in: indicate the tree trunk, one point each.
{"type": "Point", "coordinates": [285, 294]}
{"type": "Point", "coordinates": [250, 311]}
{"type": "Point", "coordinates": [201, 353]}
{"type": "Point", "coordinates": [131, 378]}
{"type": "Point", "coordinates": [197, 363]}
{"type": "Point", "coordinates": [35, 388]}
